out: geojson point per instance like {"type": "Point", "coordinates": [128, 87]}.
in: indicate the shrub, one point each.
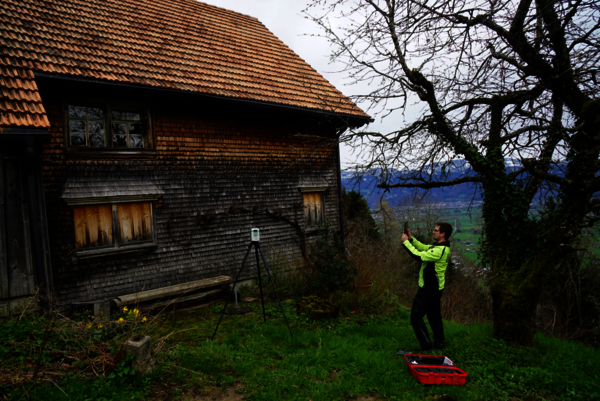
{"type": "Point", "coordinates": [569, 307]}
{"type": "Point", "coordinates": [466, 296]}
{"type": "Point", "coordinates": [317, 308]}
{"type": "Point", "coordinates": [358, 214]}
{"type": "Point", "coordinates": [330, 268]}
{"type": "Point", "coordinates": [387, 275]}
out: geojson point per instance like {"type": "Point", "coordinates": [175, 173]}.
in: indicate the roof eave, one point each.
{"type": "Point", "coordinates": [349, 120]}
{"type": "Point", "coordinates": [34, 135]}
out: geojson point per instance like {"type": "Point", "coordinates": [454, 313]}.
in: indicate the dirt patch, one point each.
{"type": "Point", "coordinates": [233, 393]}
{"type": "Point", "coordinates": [166, 390]}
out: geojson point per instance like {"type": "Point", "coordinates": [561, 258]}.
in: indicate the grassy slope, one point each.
{"type": "Point", "coordinates": [344, 358]}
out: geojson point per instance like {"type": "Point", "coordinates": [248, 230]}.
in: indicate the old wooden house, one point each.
{"type": "Point", "coordinates": [141, 140]}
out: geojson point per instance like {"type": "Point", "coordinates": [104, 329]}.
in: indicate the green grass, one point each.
{"type": "Point", "coordinates": [338, 359]}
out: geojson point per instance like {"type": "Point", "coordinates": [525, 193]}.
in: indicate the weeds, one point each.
{"type": "Point", "coordinates": [53, 347]}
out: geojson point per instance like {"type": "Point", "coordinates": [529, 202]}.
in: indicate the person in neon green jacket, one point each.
{"type": "Point", "coordinates": [434, 261]}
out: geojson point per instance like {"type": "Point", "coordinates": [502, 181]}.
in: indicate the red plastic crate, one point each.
{"type": "Point", "coordinates": [434, 369]}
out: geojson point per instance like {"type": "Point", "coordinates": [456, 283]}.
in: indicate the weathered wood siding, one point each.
{"type": "Point", "coordinates": [24, 250]}
{"type": "Point", "coordinates": [224, 168]}
{"type": "Point", "coordinates": [16, 256]}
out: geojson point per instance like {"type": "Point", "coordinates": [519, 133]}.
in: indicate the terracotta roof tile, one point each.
{"type": "Point", "coordinates": [20, 102]}
{"type": "Point", "coordinates": [177, 44]}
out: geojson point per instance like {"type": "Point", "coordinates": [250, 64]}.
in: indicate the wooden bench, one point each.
{"type": "Point", "coordinates": [190, 291]}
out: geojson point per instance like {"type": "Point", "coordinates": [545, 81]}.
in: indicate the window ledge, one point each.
{"type": "Point", "coordinates": [313, 189]}
{"type": "Point", "coordinates": [113, 252]}
{"type": "Point", "coordinates": [311, 231]}
{"type": "Point", "coordinates": [103, 154]}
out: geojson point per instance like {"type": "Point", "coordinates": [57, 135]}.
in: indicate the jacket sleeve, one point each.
{"type": "Point", "coordinates": [419, 246]}
{"type": "Point", "coordinates": [410, 252]}
{"type": "Point", "coordinates": [431, 254]}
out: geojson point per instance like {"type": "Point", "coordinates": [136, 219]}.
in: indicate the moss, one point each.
{"type": "Point", "coordinates": [317, 308]}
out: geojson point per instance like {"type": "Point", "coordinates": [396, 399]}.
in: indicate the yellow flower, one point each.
{"type": "Point", "coordinates": [136, 312]}
{"type": "Point", "coordinates": [125, 309]}
{"type": "Point", "coordinates": [89, 326]}
{"type": "Point", "coordinates": [121, 320]}
{"type": "Point", "coordinates": [144, 319]}
{"type": "Point", "coordinates": [100, 326]}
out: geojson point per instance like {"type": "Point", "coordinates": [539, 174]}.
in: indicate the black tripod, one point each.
{"type": "Point", "coordinates": [256, 251]}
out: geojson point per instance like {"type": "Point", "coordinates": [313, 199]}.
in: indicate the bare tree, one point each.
{"type": "Point", "coordinates": [496, 80]}
{"type": "Point", "coordinates": [421, 213]}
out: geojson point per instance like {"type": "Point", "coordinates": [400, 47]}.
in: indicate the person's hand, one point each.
{"type": "Point", "coordinates": [404, 238]}
{"type": "Point", "coordinates": [408, 234]}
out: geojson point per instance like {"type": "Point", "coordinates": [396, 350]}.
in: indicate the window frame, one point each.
{"type": "Point", "coordinates": [313, 190]}
{"type": "Point", "coordinates": [107, 107]}
{"type": "Point", "coordinates": [116, 248]}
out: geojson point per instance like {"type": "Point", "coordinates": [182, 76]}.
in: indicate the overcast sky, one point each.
{"type": "Point", "coordinates": [284, 19]}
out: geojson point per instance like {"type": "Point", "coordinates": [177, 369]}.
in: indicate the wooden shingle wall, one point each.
{"type": "Point", "coordinates": [223, 169]}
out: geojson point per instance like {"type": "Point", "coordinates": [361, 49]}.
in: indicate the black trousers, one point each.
{"type": "Point", "coordinates": [427, 302]}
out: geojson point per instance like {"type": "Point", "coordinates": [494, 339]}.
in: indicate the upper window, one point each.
{"type": "Point", "coordinates": [107, 126]}
{"type": "Point", "coordinates": [127, 129]}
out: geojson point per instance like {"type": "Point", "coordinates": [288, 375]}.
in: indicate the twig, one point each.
{"type": "Point", "coordinates": [179, 367]}
{"type": "Point", "coordinates": [162, 341]}
{"type": "Point", "coordinates": [59, 388]}
{"type": "Point", "coordinates": [28, 303]}
{"type": "Point", "coordinates": [49, 328]}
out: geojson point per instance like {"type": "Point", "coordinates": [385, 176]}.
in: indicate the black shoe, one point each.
{"type": "Point", "coordinates": [439, 346]}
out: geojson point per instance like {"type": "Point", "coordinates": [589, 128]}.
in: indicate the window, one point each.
{"type": "Point", "coordinates": [313, 208]}
{"type": "Point", "coordinates": [113, 227]}
{"type": "Point", "coordinates": [127, 129]}
{"type": "Point", "coordinates": [112, 213]}
{"type": "Point", "coordinates": [87, 126]}
{"type": "Point", "coordinates": [107, 126]}
{"type": "Point", "coordinates": [313, 201]}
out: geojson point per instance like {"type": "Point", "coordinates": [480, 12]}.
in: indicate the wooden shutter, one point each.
{"type": "Point", "coordinates": [93, 226]}
{"type": "Point", "coordinates": [313, 208]}
{"type": "Point", "coordinates": [135, 222]}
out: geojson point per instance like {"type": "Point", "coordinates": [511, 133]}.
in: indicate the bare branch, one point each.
{"type": "Point", "coordinates": [429, 185]}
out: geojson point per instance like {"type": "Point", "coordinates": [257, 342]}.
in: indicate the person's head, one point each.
{"type": "Point", "coordinates": [442, 231]}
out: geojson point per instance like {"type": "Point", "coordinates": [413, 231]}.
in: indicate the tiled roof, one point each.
{"type": "Point", "coordinates": [177, 44]}
{"type": "Point", "coordinates": [20, 102]}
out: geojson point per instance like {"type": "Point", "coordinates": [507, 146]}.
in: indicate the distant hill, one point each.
{"type": "Point", "coordinates": [367, 186]}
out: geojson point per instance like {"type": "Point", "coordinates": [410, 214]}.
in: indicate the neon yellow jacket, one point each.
{"type": "Point", "coordinates": [434, 261]}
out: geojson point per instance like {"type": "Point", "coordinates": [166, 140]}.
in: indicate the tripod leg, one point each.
{"type": "Point", "coordinates": [273, 284]}
{"type": "Point", "coordinates": [230, 291]}
{"type": "Point", "coordinates": [262, 300]}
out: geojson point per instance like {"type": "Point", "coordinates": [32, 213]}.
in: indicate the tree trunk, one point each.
{"type": "Point", "coordinates": [510, 249]}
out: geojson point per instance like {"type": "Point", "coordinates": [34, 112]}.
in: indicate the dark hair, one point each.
{"type": "Point", "coordinates": [445, 228]}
